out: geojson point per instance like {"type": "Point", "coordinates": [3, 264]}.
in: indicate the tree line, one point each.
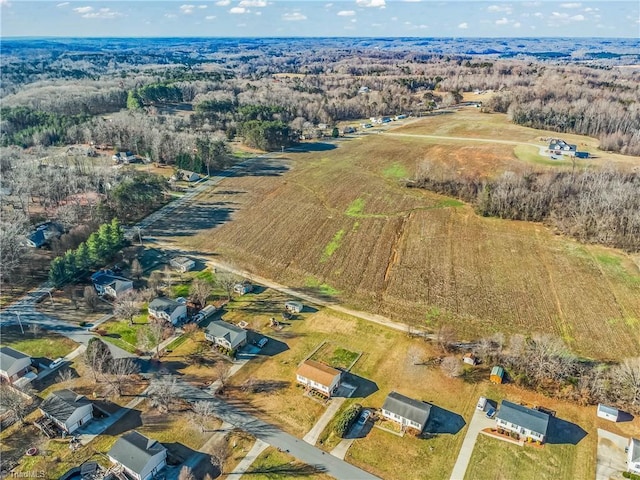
{"type": "Point", "coordinates": [100, 247]}
{"type": "Point", "coordinates": [594, 206]}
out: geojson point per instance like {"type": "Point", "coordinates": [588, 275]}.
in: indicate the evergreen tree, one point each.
{"type": "Point", "coordinates": [117, 234]}
{"type": "Point", "coordinates": [57, 272]}
{"type": "Point", "coordinates": [83, 260]}
{"type": "Point", "coordinates": [95, 253]}
{"type": "Point", "coordinates": [70, 269]}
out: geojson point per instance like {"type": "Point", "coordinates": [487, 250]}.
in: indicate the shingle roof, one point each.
{"type": "Point", "coordinates": [228, 331]}
{"type": "Point", "coordinates": [524, 417]}
{"type": "Point", "coordinates": [635, 450]}
{"type": "Point", "coordinates": [164, 304]}
{"type": "Point", "coordinates": [134, 450]}
{"type": "Point", "coordinates": [318, 372]}
{"type": "Point", "coordinates": [8, 357]}
{"type": "Point", "coordinates": [408, 408]}
{"type": "Point", "coordinates": [607, 409]}
{"type": "Point", "coordinates": [62, 404]}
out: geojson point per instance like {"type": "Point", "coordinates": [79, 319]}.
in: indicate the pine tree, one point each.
{"type": "Point", "coordinates": [93, 246]}
{"type": "Point", "coordinates": [57, 272]}
{"type": "Point", "coordinates": [83, 260]}
{"type": "Point", "coordinates": [70, 269]}
{"type": "Point", "coordinates": [117, 234]}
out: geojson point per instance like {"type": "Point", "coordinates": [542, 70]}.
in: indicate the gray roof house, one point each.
{"type": "Point", "coordinates": [526, 422]}
{"type": "Point", "coordinates": [13, 364]}
{"type": "Point", "coordinates": [167, 309]}
{"type": "Point", "coordinates": [140, 457]}
{"type": "Point", "coordinates": [406, 411]}
{"type": "Point", "coordinates": [225, 334]}
{"type": "Point", "coordinates": [182, 264]}
{"type": "Point", "coordinates": [562, 147]}
{"type": "Point", "coordinates": [608, 413]}
{"type": "Point", "coordinates": [633, 456]}
{"type": "Point", "coordinates": [67, 409]}
{"type": "Point", "coordinates": [107, 283]}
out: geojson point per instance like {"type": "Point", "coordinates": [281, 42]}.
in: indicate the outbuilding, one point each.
{"type": "Point", "coordinates": [293, 307]}
{"type": "Point", "coordinates": [497, 374]}
{"type": "Point", "coordinates": [608, 413]}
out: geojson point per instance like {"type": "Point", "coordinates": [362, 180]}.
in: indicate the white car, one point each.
{"type": "Point", "coordinates": [56, 363]}
{"type": "Point", "coordinates": [482, 403]}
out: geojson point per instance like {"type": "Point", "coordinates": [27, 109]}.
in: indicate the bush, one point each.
{"type": "Point", "coordinates": [630, 475]}
{"type": "Point", "coordinates": [346, 419]}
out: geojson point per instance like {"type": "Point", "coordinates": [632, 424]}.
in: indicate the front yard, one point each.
{"type": "Point", "coordinates": [274, 465]}
{"type": "Point", "coordinates": [43, 344]}
{"type": "Point", "coordinates": [124, 335]}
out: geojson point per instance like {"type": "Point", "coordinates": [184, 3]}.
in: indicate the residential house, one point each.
{"type": "Point", "coordinates": [633, 456]}
{"type": "Point", "coordinates": [293, 307]}
{"type": "Point", "coordinates": [109, 284]}
{"type": "Point", "coordinates": [190, 176]}
{"type": "Point", "coordinates": [124, 157]}
{"type": "Point", "coordinates": [168, 309]}
{"type": "Point", "coordinates": [526, 422]}
{"type": "Point", "coordinates": [608, 413]}
{"type": "Point", "coordinates": [409, 413]}
{"type": "Point", "coordinates": [43, 233]}
{"type": "Point", "coordinates": [67, 409]}
{"type": "Point", "coordinates": [225, 334]}
{"type": "Point", "coordinates": [497, 374]}
{"type": "Point", "coordinates": [141, 458]}
{"type": "Point", "coordinates": [242, 288]}
{"type": "Point", "coordinates": [13, 364]}
{"type": "Point", "coordinates": [319, 377]}
{"type": "Point", "coordinates": [561, 147]}
{"type": "Point", "coordinates": [182, 264]}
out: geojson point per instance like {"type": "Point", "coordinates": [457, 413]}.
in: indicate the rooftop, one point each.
{"type": "Point", "coordinates": [61, 404]}
{"type": "Point", "coordinates": [8, 357]}
{"type": "Point", "coordinates": [414, 410]}
{"type": "Point", "coordinates": [318, 372]}
{"type": "Point", "coordinates": [134, 450]}
{"type": "Point", "coordinates": [524, 417]}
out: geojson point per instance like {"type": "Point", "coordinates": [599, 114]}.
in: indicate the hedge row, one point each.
{"type": "Point", "coordinates": [346, 419]}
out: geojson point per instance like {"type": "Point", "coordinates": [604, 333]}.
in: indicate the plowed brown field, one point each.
{"type": "Point", "coordinates": [339, 222]}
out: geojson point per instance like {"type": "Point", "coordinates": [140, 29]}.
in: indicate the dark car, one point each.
{"type": "Point", "coordinates": [491, 412]}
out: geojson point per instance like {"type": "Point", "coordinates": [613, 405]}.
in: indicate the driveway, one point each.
{"type": "Point", "coordinates": [334, 405]}
{"type": "Point", "coordinates": [611, 459]}
{"type": "Point", "coordinates": [479, 422]}
{"type": "Point", "coordinates": [275, 437]}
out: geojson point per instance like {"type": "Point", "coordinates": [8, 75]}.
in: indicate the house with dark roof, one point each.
{"type": "Point", "coordinates": [526, 422]}
{"type": "Point", "coordinates": [633, 455]}
{"type": "Point", "coordinates": [167, 309]}
{"type": "Point", "coordinates": [182, 264]}
{"type": "Point", "coordinates": [225, 334]}
{"type": "Point", "coordinates": [409, 413]}
{"type": "Point", "coordinates": [67, 409]}
{"type": "Point", "coordinates": [319, 377]}
{"type": "Point", "coordinates": [109, 284]}
{"type": "Point", "coordinates": [13, 364]}
{"type": "Point", "coordinates": [561, 147]}
{"type": "Point", "coordinates": [43, 234]}
{"type": "Point", "coordinates": [139, 457]}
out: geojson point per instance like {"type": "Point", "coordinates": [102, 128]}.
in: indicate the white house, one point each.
{"type": "Point", "coordinates": [67, 409]}
{"type": "Point", "coordinates": [526, 422]}
{"type": "Point", "coordinates": [225, 334]}
{"type": "Point", "coordinates": [110, 285]}
{"type": "Point", "coordinates": [319, 377]}
{"type": "Point", "coordinates": [608, 413]}
{"type": "Point", "coordinates": [293, 307]}
{"type": "Point", "coordinates": [242, 288]}
{"type": "Point", "coordinates": [633, 456]}
{"type": "Point", "coordinates": [182, 264]}
{"type": "Point", "coordinates": [13, 364]}
{"type": "Point", "coordinates": [141, 458]}
{"type": "Point", "coordinates": [168, 309]}
{"type": "Point", "coordinates": [406, 411]}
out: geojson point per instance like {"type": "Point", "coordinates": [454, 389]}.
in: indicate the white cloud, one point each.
{"type": "Point", "coordinates": [223, 3]}
{"type": "Point", "coordinates": [238, 10]}
{"type": "Point", "coordinates": [328, 5]}
{"type": "Point", "coordinates": [257, 13]}
{"type": "Point", "coordinates": [187, 9]}
{"type": "Point", "coordinates": [82, 10]}
{"type": "Point", "coordinates": [500, 9]}
{"type": "Point", "coordinates": [202, 7]}
{"type": "Point", "coordinates": [394, 19]}
{"type": "Point", "coordinates": [463, 25]}
{"type": "Point", "coordinates": [346, 13]}
{"type": "Point", "coordinates": [502, 21]}
{"type": "Point", "coordinates": [538, 14]}
{"type": "Point", "coordinates": [577, 18]}
{"type": "Point", "coordinates": [371, 3]}
{"type": "Point", "coordinates": [376, 25]}
{"type": "Point", "coordinates": [170, 15]}
{"type": "Point", "coordinates": [210, 17]}
{"type": "Point", "coordinates": [5, 3]}
{"type": "Point", "coordinates": [571, 5]}
{"type": "Point", "coordinates": [412, 1]}
{"type": "Point", "coordinates": [63, 4]}
{"type": "Point", "coordinates": [517, 25]}
{"type": "Point", "coordinates": [353, 20]}
{"type": "Point", "coordinates": [589, 9]}
{"type": "Point", "coordinates": [253, 3]}
{"type": "Point", "coordinates": [294, 17]}
{"type": "Point", "coordinates": [559, 16]}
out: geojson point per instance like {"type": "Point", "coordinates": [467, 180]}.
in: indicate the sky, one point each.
{"type": "Point", "coordinates": [320, 18]}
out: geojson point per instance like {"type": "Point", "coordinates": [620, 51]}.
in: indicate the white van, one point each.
{"type": "Point", "coordinates": [482, 402]}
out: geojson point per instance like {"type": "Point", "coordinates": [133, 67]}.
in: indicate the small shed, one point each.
{"type": "Point", "coordinates": [497, 374]}
{"type": "Point", "coordinates": [470, 359]}
{"type": "Point", "coordinates": [608, 413]}
{"type": "Point", "coordinates": [293, 307]}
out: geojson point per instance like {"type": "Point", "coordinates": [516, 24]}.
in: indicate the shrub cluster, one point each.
{"type": "Point", "coordinates": [346, 419]}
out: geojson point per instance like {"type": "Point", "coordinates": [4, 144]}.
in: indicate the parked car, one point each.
{"type": "Point", "coordinates": [482, 403]}
{"type": "Point", "coordinates": [262, 342]}
{"type": "Point", "coordinates": [491, 412]}
{"type": "Point", "coordinates": [56, 363]}
{"type": "Point", "coordinates": [364, 416]}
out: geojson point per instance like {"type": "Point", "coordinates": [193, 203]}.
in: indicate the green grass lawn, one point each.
{"type": "Point", "coordinates": [44, 344]}
{"type": "Point", "coordinates": [335, 356]}
{"type": "Point", "coordinates": [495, 459]}
{"type": "Point", "coordinates": [123, 335]}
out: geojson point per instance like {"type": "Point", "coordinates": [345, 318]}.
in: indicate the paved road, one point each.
{"type": "Point", "coordinates": [479, 421]}
{"type": "Point", "coordinates": [611, 459]}
{"type": "Point", "coordinates": [275, 437]}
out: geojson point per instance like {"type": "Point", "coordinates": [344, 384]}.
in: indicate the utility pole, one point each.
{"type": "Point", "coordinates": [20, 322]}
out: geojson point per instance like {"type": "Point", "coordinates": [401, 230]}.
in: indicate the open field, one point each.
{"type": "Point", "coordinates": [336, 222]}
{"type": "Point", "coordinates": [44, 344]}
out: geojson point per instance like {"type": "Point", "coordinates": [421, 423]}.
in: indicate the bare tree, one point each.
{"type": "Point", "coordinates": [152, 336]}
{"type": "Point", "coordinates": [163, 392]}
{"type": "Point", "coordinates": [127, 306]}
{"type": "Point", "coordinates": [91, 298]}
{"type": "Point", "coordinates": [136, 269]}
{"type": "Point", "coordinates": [12, 248]}
{"type": "Point", "coordinates": [35, 329]}
{"type": "Point", "coordinates": [226, 281]}
{"type": "Point", "coordinates": [200, 291]}
{"type": "Point", "coordinates": [64, 375]}
{"type": "Point", "coordinates": [186, 474]}
{"type": "Point", "coordinates": [219, 454]}
{"type": "Point", "coordinates": [156, 281]}
{"type": "Point", "coordinates": [625, 380]}
{"type": "Point", "coordinates": [201, 413]}
{"type": "Point", "coordinates": [451, 367]}
{"type": "Point", "coordinates": [445, 336]}
{"type": "Point", "coordinates": [120, 374]}
{"type": "Point", "coordinates": [222, 373]}
{"type": "Point", "coordinates": [97, 357]}
{"type": "Point", "coordinates": [14, 402]}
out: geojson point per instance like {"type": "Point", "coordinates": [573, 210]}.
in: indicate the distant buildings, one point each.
{"type": "Point", "coordinates": [13, 364]}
